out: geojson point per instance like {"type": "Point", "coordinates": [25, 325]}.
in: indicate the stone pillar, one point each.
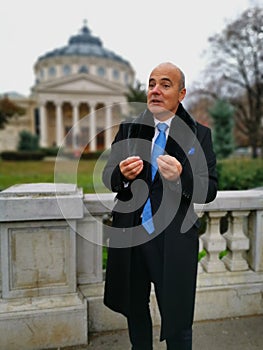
{"type": "Point", "coordinates": [214, 243]}
{"type": "Point", "coordinates": [89, 247]}
{"type": "Point", "coordinates": [237, 242]}
{"type": "Point", "coordinates": [40, 301]}
{"type": "Point", "coordinates": [59, 125]}
{"type": "Point", "coordinates": [255, 231]}
{"type": "Point", "coordinates": [92, 136]}
{"type": "Point", "coordinates": [43, 126]}
{"type": "Point", "coordinates": [76, 126]}
{"type": "Point", "coordinates": [108, 127]}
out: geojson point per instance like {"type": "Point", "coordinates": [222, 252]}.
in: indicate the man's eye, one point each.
{"type": "Point", "coordinates": [166, 86]}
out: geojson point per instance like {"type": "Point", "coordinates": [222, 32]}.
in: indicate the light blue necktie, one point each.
{"type": "Point", "coordinates": [158, 149]}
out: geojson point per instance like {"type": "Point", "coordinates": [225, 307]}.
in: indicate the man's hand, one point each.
{"type": "Point", "coordinates": [131, 167]}
{"type": "Point", "coordinates": [169, 167]}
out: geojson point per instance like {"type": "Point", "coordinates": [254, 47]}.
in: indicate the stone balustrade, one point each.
{"type": "Point", "coordinates": [230, 275]}
{"type": "Point", "coordinates": [51, 263]}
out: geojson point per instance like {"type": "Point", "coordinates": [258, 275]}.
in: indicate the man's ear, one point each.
{"type": "Point", "coordinates": [182, 94]}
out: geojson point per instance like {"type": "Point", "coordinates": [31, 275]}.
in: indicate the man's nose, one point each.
{"type": "Point", "coordinates": [156, 89]}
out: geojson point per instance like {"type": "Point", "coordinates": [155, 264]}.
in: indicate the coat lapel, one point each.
{"type": "Point", "coordinates": [182, 136]}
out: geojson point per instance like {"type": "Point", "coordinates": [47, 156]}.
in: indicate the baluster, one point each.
{"type": "Point", "coordinates": [200, 214]}
{"type": "Point", "coordinates": [213, 243]}
{"type": "Point", "coordinates": [237, 242]}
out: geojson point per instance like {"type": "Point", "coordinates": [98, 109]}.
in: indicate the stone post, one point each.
{"type": "Point", "coordinates": [108, 127]}
{"type": "Point", "coordinates": [255, 231]}
{"type": "Point", "coordinates": [92, 136]}
{"type": "Point", "coordinates": [40, 307]}
{"type": "Point", "coordinates": [76, 126]}
{"type": "Point", "coordinates": [43, 126]}
{"type": "Point", "coordinates": [237, 242]}
{"type": "Point", "coordinates": [59, 125]}
{"type": "Point", "coordinates": [213, 243]}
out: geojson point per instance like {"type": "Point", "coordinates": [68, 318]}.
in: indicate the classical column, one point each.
{"type": "Point", "coordinates": [43, 126]}
{"type": "Point", "coordinates": [92, 135]}
{"type": "Point", "coordinates": [59, 125]}
{"type": "Point", "coordinates": [76, 126]}
{"type": "Point", "coordinates": [108, 127]}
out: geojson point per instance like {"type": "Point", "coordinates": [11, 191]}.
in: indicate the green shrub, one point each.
{"type": "Point", "coordinates": [50, 151]}
{"type": "Point", "coordinates": [240, 174]}
{"type": "Point", "coordinates": [91, 155]}
{"type": "Point", "coordinates": [28, 141]}
{"type": "Point", "coordinates": [22, 156]}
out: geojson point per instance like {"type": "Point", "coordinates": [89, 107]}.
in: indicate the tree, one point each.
{"type": "Point", "coordinates": [222, 115]}
{"type": "Point", "coordinates": [235, 72]}
{"type": "Point", "coordinates": [136, 93]}
{"type": "Point", "coordinates": [7, 110]}
{"type": "Point", "coordinates": [28, 141]}
{"type": "Point", "coordinates": [137, 97]}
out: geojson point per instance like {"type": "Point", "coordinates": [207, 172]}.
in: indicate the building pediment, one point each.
{"type": "Point", "coordinates": [80, 84]}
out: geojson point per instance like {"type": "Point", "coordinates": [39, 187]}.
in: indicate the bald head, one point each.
{"type": "Point", "coordinates": [168, 66]}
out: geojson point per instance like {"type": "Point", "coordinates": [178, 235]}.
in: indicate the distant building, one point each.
{"type": "Point", "coordinates": [81, 79]}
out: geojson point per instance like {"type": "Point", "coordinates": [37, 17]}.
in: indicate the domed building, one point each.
{"type": "Point", "coordinates": [82, 84]}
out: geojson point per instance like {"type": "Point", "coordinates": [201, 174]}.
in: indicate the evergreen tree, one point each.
{"type": "Point", "coordinates": [222, 115]}
{"type": "Point", "coordinates": [27, 141]}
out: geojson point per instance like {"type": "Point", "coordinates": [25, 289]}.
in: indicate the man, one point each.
{"type": "Point", "coordinates": [154, 233]}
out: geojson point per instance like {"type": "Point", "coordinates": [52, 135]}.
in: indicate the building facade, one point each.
{"type": "Point", "coordinates": [79, 94]}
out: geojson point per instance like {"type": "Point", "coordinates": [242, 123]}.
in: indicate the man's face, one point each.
{"type": "Point", "coordinates": [164, 94]}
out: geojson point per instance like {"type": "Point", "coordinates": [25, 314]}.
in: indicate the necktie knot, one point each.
{"type": "Point", "coordinates": [162, 127]}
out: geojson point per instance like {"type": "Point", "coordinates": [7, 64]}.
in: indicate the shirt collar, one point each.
{"type": "Point", "coordinates": [168, 121]}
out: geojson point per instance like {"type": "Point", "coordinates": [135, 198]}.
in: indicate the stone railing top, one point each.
{"type": "Point", "coordinates": [99, 203]}
{"type": "Point", "coordinates": [41, 189]}
{"type": "Point", "coordinates": [41, 201]}
{"type": "Point", "coordinates": [226, 200]}
{"type": "Point", "coordinates": [235, 200]}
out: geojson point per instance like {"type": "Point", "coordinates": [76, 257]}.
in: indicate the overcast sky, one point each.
{"type": "Point", "coordinates": [145, 32]}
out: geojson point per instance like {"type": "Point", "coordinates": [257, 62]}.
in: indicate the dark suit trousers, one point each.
{"type": "Point", "coordinates": [147, 267]}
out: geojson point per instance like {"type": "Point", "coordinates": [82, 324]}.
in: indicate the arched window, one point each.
{"type": "Point", "coordinates": [83, 69]}
{"type": "Point", "coordinates": [101, 71]}
{"type": "Point", "coordinates": [52, 71]}
{"type": "Point", "coordinates": [116, 74]}
{"type": "Point", "coordinates": [66, 69]}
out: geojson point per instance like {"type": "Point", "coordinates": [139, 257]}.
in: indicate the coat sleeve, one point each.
{"type": "Point", "coordinates": [199, 177]}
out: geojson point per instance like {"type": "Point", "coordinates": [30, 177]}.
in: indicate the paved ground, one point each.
{"type": "Point", "coordinates": [244, 333]}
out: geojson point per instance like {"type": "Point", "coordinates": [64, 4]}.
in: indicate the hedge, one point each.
{"type": "Point", "coordinates": [240, 174]}
{"type": "Point", "coordinates": [22, 155]}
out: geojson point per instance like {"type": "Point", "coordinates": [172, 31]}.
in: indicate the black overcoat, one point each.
{"type": "Point", "coordinates": [172, 205]}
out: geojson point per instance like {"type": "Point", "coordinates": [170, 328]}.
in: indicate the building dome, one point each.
{"type": "Point", "coordinates": [84, 54]}
{"type": "Point", "coordinates": [84, 44]}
